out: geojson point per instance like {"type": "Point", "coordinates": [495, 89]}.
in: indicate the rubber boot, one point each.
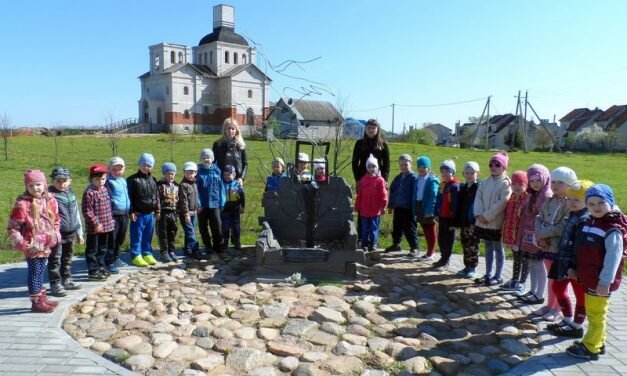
{"type": "Point", "coordinates": [39, 304]}
{"type": "Point", "coordinates": [51, 303]}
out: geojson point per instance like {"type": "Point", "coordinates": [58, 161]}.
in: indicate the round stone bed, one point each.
{"type": "Point", "coordinates": [213, 318]}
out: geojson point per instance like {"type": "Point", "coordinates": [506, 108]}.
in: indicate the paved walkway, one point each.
{"type": "Point", "coordinates": [35, 344]}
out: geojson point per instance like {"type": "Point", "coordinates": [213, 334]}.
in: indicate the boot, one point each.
{"type": "Point", "coordinates": [51, 303]}
{"type": "Point", "coordinates": [39, 305]}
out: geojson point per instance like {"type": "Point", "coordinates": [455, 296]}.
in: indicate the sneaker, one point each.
{"type": "Point", "coordinates": [139, 261]}
{"type": "Point", "coordinates": [427, 258]}
{"type": "Point", "coordinates": [372, 247]}
{"type": "Point", "coordinates": [237, 245]}
{"type": "Point", "coordinates": [520, 289]}
{"type": "Point", "coordinates": [414, 251]}
{"type": "Point", "coordinates": [440, 267]}
{"type": "Point", "coordinates": [482, 281]}
{"type": "Point", "coordinates": [71, 285]}
{"type": "Point", "coordinates": [113, 269]}
{"type": "Point", "coordinates": [462, 273]}
{"type": "Point", "coordinates": [97, 276]}
{"type": "Point", "coordinates": [393, 248]}
{"type": "Point", "coordinates": [165, 258]}
{"type": "Point", "coordinates": [56, 289]}
{"type": "Point", "coordinates": [172, 255]}
{"type": "Point", "coordinates": [569, 331]}
{"type": "Point", "coordinates": [104, 271]}
{"type": "Point", "coordinates": [494, 281]}
{"type": "Point", "coordinates": [119, 263]}
{"type": "Point", "coordinates": [532, 299]}
{"type": "Point", "coordinates": [552, 316]}
{"type": "Point", "coordinates": [601, 350]}
{"type": "Point", "coordinates": [541, 311]}
{"type": "Point", "coordinates": [578, 350]}
{"type": "Point", "coordinates": [509, 285]}
{"type": "Point", "coordinates": [555, 325]}
{"type": "Point", "coordinates": [471, 273]}
{"type": "Point", "coordinates": [150, 260]}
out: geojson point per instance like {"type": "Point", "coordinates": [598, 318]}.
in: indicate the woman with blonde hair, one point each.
{"type": "Point", "coordinates": [230, 149]}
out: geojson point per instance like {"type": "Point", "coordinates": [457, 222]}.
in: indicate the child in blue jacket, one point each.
{"type": "Point", "coordinates": [212, 200]}
{"type": "Point", "coordinates": [401, 203]}
{"type": "Point", "coordinates": [426, 192]}
{"type": "Point", "coordinates": [120, 206]}
{"type": "Point", "coordinates": [446, 210]}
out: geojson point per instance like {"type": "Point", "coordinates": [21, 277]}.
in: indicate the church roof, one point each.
{"type": "Point", "coordinates": [223, 34]}
{"type": "Point", "coordinates": [240, 68]}
{"type": "Point", "coordinates": [316, 110]}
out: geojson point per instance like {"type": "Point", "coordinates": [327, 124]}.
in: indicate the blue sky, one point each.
{"type": "Point", "coordinates": [72, 62]}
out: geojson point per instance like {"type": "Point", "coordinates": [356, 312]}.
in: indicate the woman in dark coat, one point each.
{"type": "Point", "coordinates": [372, 143]}
{"type": "Point", "coordinates": [230, 149]}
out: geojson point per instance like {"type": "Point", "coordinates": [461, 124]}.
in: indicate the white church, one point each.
{"type": "Point", "coordinates": [195, 88]}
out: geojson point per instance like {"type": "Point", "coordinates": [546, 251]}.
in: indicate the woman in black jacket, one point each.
{"type": "Point", "coordinates": [372, 143]}
{"type": "Point", "coordinates": [230, 149]}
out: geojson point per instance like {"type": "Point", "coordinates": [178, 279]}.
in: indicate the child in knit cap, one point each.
{"type": "Point", "coordinates": [466, 219]}
{"type": "Point", "coordinates": [563, 268]}
{"type": "Point", "coordinates": [539, 190]}
{"type": "Point", "coordinates": [426, 192]}
{"type": "Point", "coordinates": [187, 207]}
{"type": "Point", "coordinates": [96, 207]}
{"type": "Point", "coordinates": [212, 200]}
{"type": "Point", "coordinates": [549, 226]}
{"type": "Point", "coordinates": [402, 204]}
{"type": "Point", "coordinates": [319, 166]}
{"type": "Point", "coordinates": [60, 260]}
{"type": "Point", "coordinates": [511, 227]}
{"type": "Point", "coordinates": [370, 204]}
{"type": "Point", "coordinates": [446, 207]}
{"type": "Point", "coordinates": [278, 168]}
{"type": "Point", "coordinates": [302, 167]}
{"type": "Point", "coordinates": [120, 206]}
{"type": "Point", "coordinates": [33, 229]}
{"type": "Point", "coordinates": [490, 202]}
{"type": "Point", "coordinates": [142, 190]}
{"type": "Point", "coordinates": [599, 266]}
{"type": "Point", "coordinates": [168, 200]}
{"type": "Point", "coordinates": [233, 208]}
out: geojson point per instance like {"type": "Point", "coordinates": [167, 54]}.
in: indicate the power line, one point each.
{"type": "Point", "coordinates": [442, 104]}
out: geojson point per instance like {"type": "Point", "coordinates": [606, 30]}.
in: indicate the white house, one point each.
{"type": "Point", "coordinates": [307, 119]}
{"type": "Point", "coordinates": [195, 88]}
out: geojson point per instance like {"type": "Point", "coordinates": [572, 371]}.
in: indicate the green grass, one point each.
{"type": "Point", "coordinates": [79, 152]}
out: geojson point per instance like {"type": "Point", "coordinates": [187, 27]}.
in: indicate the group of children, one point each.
{"type": "Point", "coordinates": [561, 230]}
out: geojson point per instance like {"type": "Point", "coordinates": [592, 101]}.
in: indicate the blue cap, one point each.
{"type": "Point", "coordinates": [602, 191]}
{"type": "Point", "coordinates": [423, 161]}
{"type": "Point", "coordinates": [147, 159]}
{"type": "Point", "coordinates": [168, 167]}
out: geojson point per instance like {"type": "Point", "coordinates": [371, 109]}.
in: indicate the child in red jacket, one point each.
{"type": "Point", "coordinates": [370, 204]}
{"type": "Point", "coordinates": [34, 229]}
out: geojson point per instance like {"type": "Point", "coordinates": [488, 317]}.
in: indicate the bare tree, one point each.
{"type": "Point", "coordinates": [341, 159]}
{"type": "Point", "coordinates": [5, 124]}
{"type": "Point", "coordinates": [113, 136]}
{"type": "Point", "coordinates": [542, 139]}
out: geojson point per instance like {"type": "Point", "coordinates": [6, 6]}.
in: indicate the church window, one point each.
{"type": "Point", "coordinates": [243, 58]}
{"type": "Point", "coordinates": [185, 90]}
{"type": "Point", "coordinates": [180, 58]}
{"type": "Point", "coordinates": [205, 109]}
{"type": "Point", "coordinates": [210, 57]}
{"type": "Point", "coordinates": [205, 58]}
{"type": "Point", "coordinates": [200, 59]}
{"type": "Point", "coordinates": [172, 57]}
{"type": "Point", "coordinates": [167, 90]}
{"type": "Point", "coordinates": [156, 62]}
{"type": "Point", "coordinates": [226, 57]}
{"type": "Point", "coordinates": [235, 58]}
{"type": "Point", "coordinates": [186, 114]}
{"type": "Point", "coordinates": [250, 93]}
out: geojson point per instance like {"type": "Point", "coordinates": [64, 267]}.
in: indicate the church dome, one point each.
{"type": "Point", "coordinates": [223, 34]}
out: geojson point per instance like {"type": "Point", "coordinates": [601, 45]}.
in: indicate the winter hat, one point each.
{"type": "Point", "coordinates": [520, 177]}
{"type": "Point", "coordinates": [279, 161]}
{"type": "Point", "coordinates": [230, 169]}
{"type": "Point", "coordinates": [404, 157]}
{"type": "Point", "coordinates": [473, 165]}
{"type": "Point", "coordinates": [97, 169]}
{"type": "Point", "coordinates": [318, 163]}
{"type": "Point", "coordinates": [372, 161]}
{"type": "Point", "coordinates": [538, 170]}
{"type": "Point", "coordinates": [190, 166]}
{"type": "Point", "coordinates": [579, 188]}
{"type": "Point", "coordinates": [602, 191]}
{"type": "Point", "coordinates": [60, 172]}
{"type": "Point", "coordinates": [303, 157]}
{"type": "Point", "coordinates": [423, 161]}
{"type": "Point", "coordinates": [116, 161]}
{"type": "Point", "coordinates": [34, 176]}
{"type": "Point", "coordinates": [449, 165]}
{"type": "Point", "coordinates": [502, 158]}
{"type": "Point", "coordinates": [147, 159]}
{"type": "Point", "coordinates": [168, 167]}
{"type": "Point", "coordinates": [564, 174]}
{"type": "Point", "coordinates": [207, 153]}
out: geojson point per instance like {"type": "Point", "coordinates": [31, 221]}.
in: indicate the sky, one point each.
{"type": "Point", "coordinates": [75, 63]}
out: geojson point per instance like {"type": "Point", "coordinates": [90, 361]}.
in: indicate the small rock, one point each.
{"type": "Point", "coordinates": [86, 342]}
{"type": "Point", "coordinates": [378, 343]}
{"type": "Point", "coordinates": [137, 325]}
{"type": "Point", "coordinates": [222, 333]}
{"type": "Point", "coordinates": [345, 348]}
{"type": "Point", "coordinates": [445, 365]}
{"type": "Point", "coordinates": [476, 358]}
{"type": "Point", "coordinates": [268, 333]}
{"type": "Point", "coordinates": [355, 340]}
{"type": "Point", "coordinates": [417, 365]}
{"type": "Point", "coordinates": [461, 359]}
{"type": "Point", "coordinates": [264, 371]}
{"type": "Point", "coordinates": [407, 332]}
{"type": "Point", "coordinates": [208, 363]}
{"type": "Point", "coordinates": [363, 307]}
{"type": "Point", "coordinates": [139, 362]}
{"type": "Point", "coordinates": [164, 349]}
{"type": "Point", "coordinates": [201, 332]}
{"type": "Point", "coordinates": [333, 328]}
{"type": "Point", "coordinates": [288, 364]}
{"type": "Point", "coordinates": [515, 347]}
{"type": "Point", "coordinates": [245, 360]}
{"type": "Point", "coordinates": [358, 330]}
{"type": "Point", "coordinates": [143, 348]}
{"type": "Point", "coordinates": [330, 290]}
{"type": "Point", "coordinates": [159, 338]}
{"type": "Point", "coordinates": [187, 353]}
{"type": "Point", "coordinates": [343, 365]}
{"type": "Point", "coordinates": [300, 311]}
{"type": "Point", "coordinates": [178, 273]}
{"type": "Point", "coordinates": [309, 369]}
{"type": "Point", "coordinates": [246, 333]}
{"type": "Point", "coordinates": [323, 314]}
{"type": "Point", "coordinates": [115, 355]}
{"type": "Point", "coordinates": [100, 346]}
{"type": "Point", "coordinates": [277, 310]}
{"type": "Point", "coordinates": [206, 343]}
{"type": "Point", "coordinates": [374, 372]}
{"type": "Point", "coordinates": [127, 342]}
{"type": "Point", "coordinates": [313, 357]}
{"type": "Point", "coordinates": [298, 327]}
{"type": "Point", "coordinates": [497, 366]}
{"type": "Point", "coordinates": [318, 337]}
{"type": "Point", "coordinates": [400, 351]}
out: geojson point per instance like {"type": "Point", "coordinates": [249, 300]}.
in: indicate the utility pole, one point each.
{"type": "Point", "coordinates": [525, 122]}
{"type": "Point", "coordinates": [478, 126]}
{"type": "Point", "coordinates": [487, 130]}
{"type": "Point", "coordinates": [393, 106]}
{"type": "Point", "coordinates": [549, 133]}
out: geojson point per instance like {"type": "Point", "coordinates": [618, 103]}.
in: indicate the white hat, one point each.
{"type": "Point", "coordinates": [190, 166]}
{"type": "Point", "coordinates": [564, 174]}
{"type": "Point", "coordinates": [372, 161]}
{"type": "Point", "coordinates": [473, 165]}
{"type": "Point", "coordinates": [279, 161]}
{"type": "Point", "coordinates": [449, 164]}
{"type": "Point", "coordinates": [116, 161]}
{"type": "Point", "coordinates": [303, 157]}
{"type": "Point", "coordinates": [318, 163]}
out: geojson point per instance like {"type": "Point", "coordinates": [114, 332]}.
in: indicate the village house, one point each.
{"type": "Point", "coordinates": [193, 89]}
{"type": "Point", "coordinates": [578, 119]}
{"type": "Point", "coordinates": [306, 119]}
{"type": "Point", "coordinates": [614, 122]}
{"type": "Point", "coordinates": [443, 134]}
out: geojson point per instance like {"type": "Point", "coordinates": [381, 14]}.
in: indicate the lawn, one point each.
{"type": "Point", "coordinates": [79, 152]}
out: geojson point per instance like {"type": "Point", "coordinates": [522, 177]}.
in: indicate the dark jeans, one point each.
{"type": "Point", "coordinates": [166, 231]}
{"type": "Point", "coordinates": [404, 222]}
{"type": "Point", "coordinates": [470, 245]}
{"type": "Point", "coordinates": [231, 227]}
{"type": "Point", "coordinates": [117, 238]}
{"type": "Point", "coordinates": [191, 243]}
{"type": "Point", "coordinates": [60, 259]}
{"type": "Point", "coordinates": [369, 231]}
{"type": "Point", "coordinates": [210, 218]}
{"type": "Point", "coordinates": [95, 250]}
{"type": "Point", "coordinates": [446, 238]}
